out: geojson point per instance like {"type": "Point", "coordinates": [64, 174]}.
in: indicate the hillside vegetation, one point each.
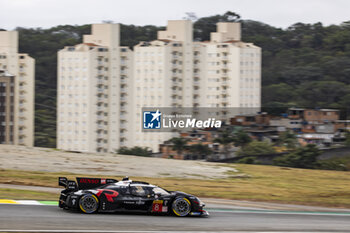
{"type": "Point", "coordinates": [305, 65]}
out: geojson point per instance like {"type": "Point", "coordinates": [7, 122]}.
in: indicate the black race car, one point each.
{"type": "Point", "coordinates": [92, 195]}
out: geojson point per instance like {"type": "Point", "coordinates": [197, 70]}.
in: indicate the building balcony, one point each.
{"type": "Point", "coordinates": [224, 103]}
{"type": "Point", "coordinates": [101, 99]}
{"type": "Point", "coordinates": [100, 90]}
{"type": "Point", "coordinates": [101, 126]}
{"type": "Point", "coordinates": [22, 98]}
{"type": "Point", "coordinates": [100, 109]}
{"type": "Point", "coordinates": [100, 117]}
{"type": "Point", "coordinates": [224, 77]}
{"type": "Point", "coordinates": [123, 108]}
{"type": "Point", "coordinates": [22, 133]}
{"type": "Point", "coordinates": [101, 135]}
{"type": "Point", "coordinates": [22, 115]}
{"type": "Point", "coordinates": [21, 105]}
{"type": "Point", "coordinates": [22, 79]}
{"type": "Point", "coordinates": [100, 81]}
{"type": "Point", "coordinates": [21, 142]}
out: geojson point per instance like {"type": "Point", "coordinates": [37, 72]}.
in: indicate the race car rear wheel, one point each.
{"type": "Point", "coordinates": [181, 206]}
{"type": "Point", "coordinates": [88, 203]}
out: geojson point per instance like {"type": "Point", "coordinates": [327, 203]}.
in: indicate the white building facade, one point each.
{"type": "Point", "coordinates": [93, 100]}
{"type": "Point", "coordinates": [22, 69]}
{"type": "Point", "coordinates": [102, 87]}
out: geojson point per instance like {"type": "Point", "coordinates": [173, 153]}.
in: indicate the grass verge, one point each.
{"type": "Point", "coordinates": [260, 183]}
{"type": "Point", "coordinates": [17, 194]}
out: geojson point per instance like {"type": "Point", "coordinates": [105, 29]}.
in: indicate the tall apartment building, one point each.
{"type": "Point", "coordinates": [102, 87]}
{"type": "Point", "coordinates": [163, 77]}
{"type": "Point", "coordinates": [94, 81]}
{"type": "Point", "coordinates": [16, 92]}
{"type": "Point", "coordinates": [223, 74]}
{"type": "Point", "coordinates": [228, 71]}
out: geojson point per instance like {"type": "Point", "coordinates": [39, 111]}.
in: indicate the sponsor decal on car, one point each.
{"type": "Point", "coordinates": [139, 202]}
{"type": "Point", "coordinates": [89, 181]}
{"type": "Point", "coordinates": [109, 194]}
{"type": "Point", "coordinates": [157, 206]}
{"type": "Point", "coordinates": [129, 202]}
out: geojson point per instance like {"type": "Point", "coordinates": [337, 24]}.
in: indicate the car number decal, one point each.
{"type": "Point", "coordinates": [157, 206]}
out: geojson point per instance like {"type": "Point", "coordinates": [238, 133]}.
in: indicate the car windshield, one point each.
{"type": "Point", "coordinates": [160, 191]}
{"type": "Point", "coordinates": [145, 190]}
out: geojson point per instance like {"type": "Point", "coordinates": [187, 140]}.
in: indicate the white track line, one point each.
{"type": "Point", "coordinates": [111, 231]}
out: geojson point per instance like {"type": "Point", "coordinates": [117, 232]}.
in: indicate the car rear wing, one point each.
{"type": "Point", "coordinates": [84, 182]}
{"type": "Point", "coordinates": [68, 184]}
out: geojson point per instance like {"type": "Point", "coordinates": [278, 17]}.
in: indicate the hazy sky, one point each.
{"type": "Point", "coordinates": [280, 13]}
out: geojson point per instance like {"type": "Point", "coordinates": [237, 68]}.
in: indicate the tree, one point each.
{"type": "Point", "coordinates": [230, 16]}
{"type": "Point", "coordinates": [257, 148]}
{"type": "Point", "coordinates": [280, 92]}
{"type": "Point", "coordinates": [136, 150]}
{"type": "Point", "coordinates": [225, 139]}
{"type": "Point", "coordinates": [304, 157]}
{"type": "Point", "coordinates": [288, 139]}
{"type": "Point", "coordinates": [347, 138]}
{"type": "Point", "coordinates": [200, 151]}
{"type": "Point", "coordinates": [241, 138]}
{"type": "Point", "coordinates": [178, 144]}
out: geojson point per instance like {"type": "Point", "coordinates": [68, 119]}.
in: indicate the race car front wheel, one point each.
{"type": "Point", "coordinates": [181, 206]}
{"type": "Point", "coordinates": [88, 203]}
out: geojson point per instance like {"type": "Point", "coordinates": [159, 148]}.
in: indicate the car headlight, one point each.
{"type": "Point", "coordinates": [200, 202]}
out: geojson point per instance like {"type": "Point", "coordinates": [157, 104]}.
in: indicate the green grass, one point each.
{"type": "Point", "coordinates": [253, 182]}
{"type": "Point", "coordinates": [17, 194]}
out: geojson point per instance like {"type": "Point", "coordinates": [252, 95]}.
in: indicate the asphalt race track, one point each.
{"type": "Point", "coordinates": [46, 218]}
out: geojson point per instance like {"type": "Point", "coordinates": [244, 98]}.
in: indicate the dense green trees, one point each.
{"type": "Point", "coordinates": [136, 150]}
{"type": "Point", "coordinates": [303, 157]}
{"type": "Point", "coordinates": [305, 65]}
{"type": "Point", "coordinates": [179, 144]}
{"type": "Point", "coordinates": [257, 148]}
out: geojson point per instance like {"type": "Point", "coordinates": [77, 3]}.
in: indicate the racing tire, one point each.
{"type": "Point", "coordinates": [181, 206]}
{"type": "Point", "coordinates": [88, 203]}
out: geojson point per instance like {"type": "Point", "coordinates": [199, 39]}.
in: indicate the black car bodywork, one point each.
{"type": "Point", "coordinates": [92, 195]}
